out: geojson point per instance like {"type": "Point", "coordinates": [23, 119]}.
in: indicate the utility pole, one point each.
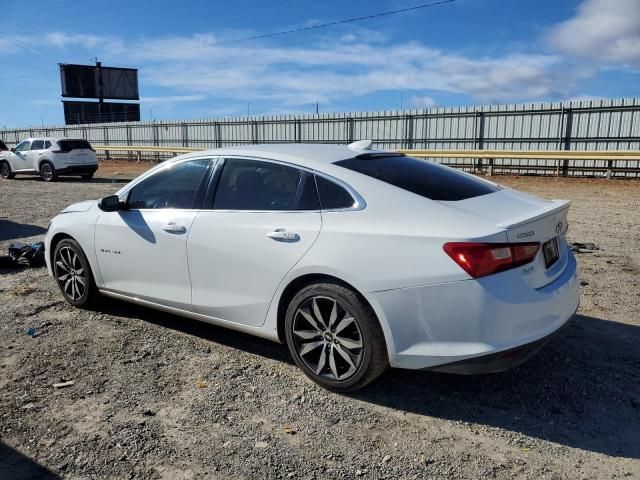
{"type": "Point", "coordinates": [317, 106]}
{"type": "Point", "coordinates": [401, 100]}
{"type": "Point", "coordinates": [100, 89]}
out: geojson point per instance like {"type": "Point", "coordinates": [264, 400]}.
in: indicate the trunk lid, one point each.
{"type": "Point", "coordinates": [525, 218]}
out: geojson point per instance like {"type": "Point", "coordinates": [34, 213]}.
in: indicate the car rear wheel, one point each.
{"type": "Point", "coordinates": [5, 171]}
{"type": "Point", "coordinates": [334, 337]}
{"type": "Point", "coordinates": [73, 274]}
{"type": "Point", "coordinates": [47, 172]}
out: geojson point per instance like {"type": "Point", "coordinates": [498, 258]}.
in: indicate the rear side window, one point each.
{"type": "Point", "coordinates": [424, 178]}
{"type": "Point", "coordinates": [257, 185]}
{"type": "Point", "coordinates": [37, 145]}
{"type": "Point", "coordinates": [68, 145]}
{"type": "Point", "coordinates": [332, 195]}
{"type": "Point", "coordinates": [47, 144]}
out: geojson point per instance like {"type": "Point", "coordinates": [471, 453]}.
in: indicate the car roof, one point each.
{"type": "Point", "coordinates": [51, 139]}
{"type": "Point", "coordinates": [310, 155]}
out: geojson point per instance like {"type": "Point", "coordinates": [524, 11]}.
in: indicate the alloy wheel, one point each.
{"type": "Point", "coordinates": [47, 172]}
{"type": "Point", "coordinates": [70, 273]}
{"type": "Point", "coordinates": [328, 338]}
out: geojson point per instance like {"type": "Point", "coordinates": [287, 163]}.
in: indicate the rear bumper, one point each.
{"type": "Point", "coordinates": [489, 319]}
{"type": "Point", "coordinates": [500, 361]}
{"type": "Point", "coordinates": [77, 169]}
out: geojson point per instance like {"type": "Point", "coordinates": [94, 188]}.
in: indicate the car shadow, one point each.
{"type": "Point", "coordinates": [14, 231]}
{"type": "Point", "coordinates": [206, 331]}
{"type": "Point", "coordinates": [582, 390]}
{"type": "Point", "coordinates": [16, 466]}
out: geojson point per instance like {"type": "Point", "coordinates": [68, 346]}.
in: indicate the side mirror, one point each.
{"type": "Point", "coordinates": [13, 149]}
{"type": "Point", "coordinates": [111, 203]}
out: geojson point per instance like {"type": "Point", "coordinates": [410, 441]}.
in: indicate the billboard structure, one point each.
{"type": "Point", "coordinates": [76, 112]}
{"type": "Point", "coordinates": [98, 82]}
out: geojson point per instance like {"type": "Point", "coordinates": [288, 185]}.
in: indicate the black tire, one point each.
{"type": "Point", "coordinates": [73, 274]}
{"type": "Point", "coordinates": [87, 176]}
{"type": "Point", "coordinates": [354, 334]}
{"type": "Point", "coordinates": [48, 172]}
{"type": "Point", "coordinates": [5, 171]}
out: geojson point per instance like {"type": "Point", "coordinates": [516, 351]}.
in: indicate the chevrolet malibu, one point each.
{"type": "Point", "coordinates": [357, 259]}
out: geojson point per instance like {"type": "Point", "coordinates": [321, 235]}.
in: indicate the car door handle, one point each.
{"type": "Point", "coordinates": [174, 228]}
{"type": "Point", "coordinates": [282, 235]}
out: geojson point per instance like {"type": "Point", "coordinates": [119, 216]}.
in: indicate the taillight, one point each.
{"type": "Point", "coordinates": [480, 259]}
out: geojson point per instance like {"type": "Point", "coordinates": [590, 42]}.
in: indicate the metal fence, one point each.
{"type": "Point", "coordinates": [577, 125]}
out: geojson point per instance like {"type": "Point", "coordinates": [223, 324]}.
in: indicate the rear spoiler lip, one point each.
{"type": "Point", "coordinates": [557, 205]}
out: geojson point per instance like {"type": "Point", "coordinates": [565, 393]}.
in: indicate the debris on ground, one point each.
{"type": "Point", "coordinates": [64, 384]}
{"type": "Point", "coordinates": [581, 247]}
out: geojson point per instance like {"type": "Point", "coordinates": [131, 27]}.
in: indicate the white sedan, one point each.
{"type": "Point", "coordinates": [356, 259]}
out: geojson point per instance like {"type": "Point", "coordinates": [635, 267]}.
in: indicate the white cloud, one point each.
{"type": "Point", "coordinates": [331, 71]}
{"type": "Point", "coordinates": [422, 102]}
{"type": "Point", "coordinates": [87, 41]}
{"type": "Point", "coordinates": [605, 30]}
{"type": "Point", "coordinates": [334, 71]}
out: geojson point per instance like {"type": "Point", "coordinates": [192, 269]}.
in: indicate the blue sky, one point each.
{"type": "Point", "coordinates": [465, 52]}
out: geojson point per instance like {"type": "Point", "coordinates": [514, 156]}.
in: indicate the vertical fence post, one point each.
{"type": "Point", "coordinates": [185, 135]}
{"type": "Point", "coordinates": [609, 169]}
{"type": "Point", "coordinates": [156, 139]}
{"type": "Point", "coordinates": [567, 140]}
{"type": "Point", "coordinates": [219, 134]}
{"type": "Point", "coordinates": [349, 130]}
{"type": "Point", "coordinates": [254, 132]}
{"type": "Point", "coordinates": [298, 133]}
{"type": "Point", "coordinates": [129, 153]}
{"type": "Point", "coordinates": [480, 141]}
{"type": "Point", "coordinates": [408, 131]}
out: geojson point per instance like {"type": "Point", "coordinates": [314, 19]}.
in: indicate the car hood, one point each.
{"type": "Point", "coordinates": [80, 207]}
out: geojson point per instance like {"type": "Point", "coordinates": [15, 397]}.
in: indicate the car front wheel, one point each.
{"type": "Point", "coordinates": [73, 274]}
{"type": "Point", "coordinates": [5, 171]}
{"type": "Point", "coordinates": [334, 337]}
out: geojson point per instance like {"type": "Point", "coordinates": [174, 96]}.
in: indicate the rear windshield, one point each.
{"type": "Point", "coordinates": [69, 145]}
{"type": "Point", "coordinates": [422, 177]}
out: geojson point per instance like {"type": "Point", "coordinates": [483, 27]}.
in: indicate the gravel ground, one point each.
{"type": "Point", "coordinates": [157, 396]}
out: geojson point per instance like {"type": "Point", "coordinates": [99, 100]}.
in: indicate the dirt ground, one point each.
{"type": "Point", "coordinates": [157, 396]}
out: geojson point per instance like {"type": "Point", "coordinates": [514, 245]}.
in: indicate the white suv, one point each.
{"type": "Point", "coordinates": [49, 157]}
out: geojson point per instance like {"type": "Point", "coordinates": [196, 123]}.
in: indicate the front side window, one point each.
{"type": "Point", "coordinates": [257, 185]}
{"type": "Point", "coordinates": [23, 146]}
{"type": "Point", "coordinates": [176, 186]}
{"type": "Point", "coordinates": [424, 178]}
{"type": "Point", "coordinates": [37, 145]}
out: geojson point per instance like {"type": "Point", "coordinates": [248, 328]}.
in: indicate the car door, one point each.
{"type": "Point", "coordinates": [19, 159]}
{"type": "Point", "coordinates": [142, 250]}
{"type": "Point", "coordinates": [264, 217]}
{"type": "Point", "coordinates": [35, 154]}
